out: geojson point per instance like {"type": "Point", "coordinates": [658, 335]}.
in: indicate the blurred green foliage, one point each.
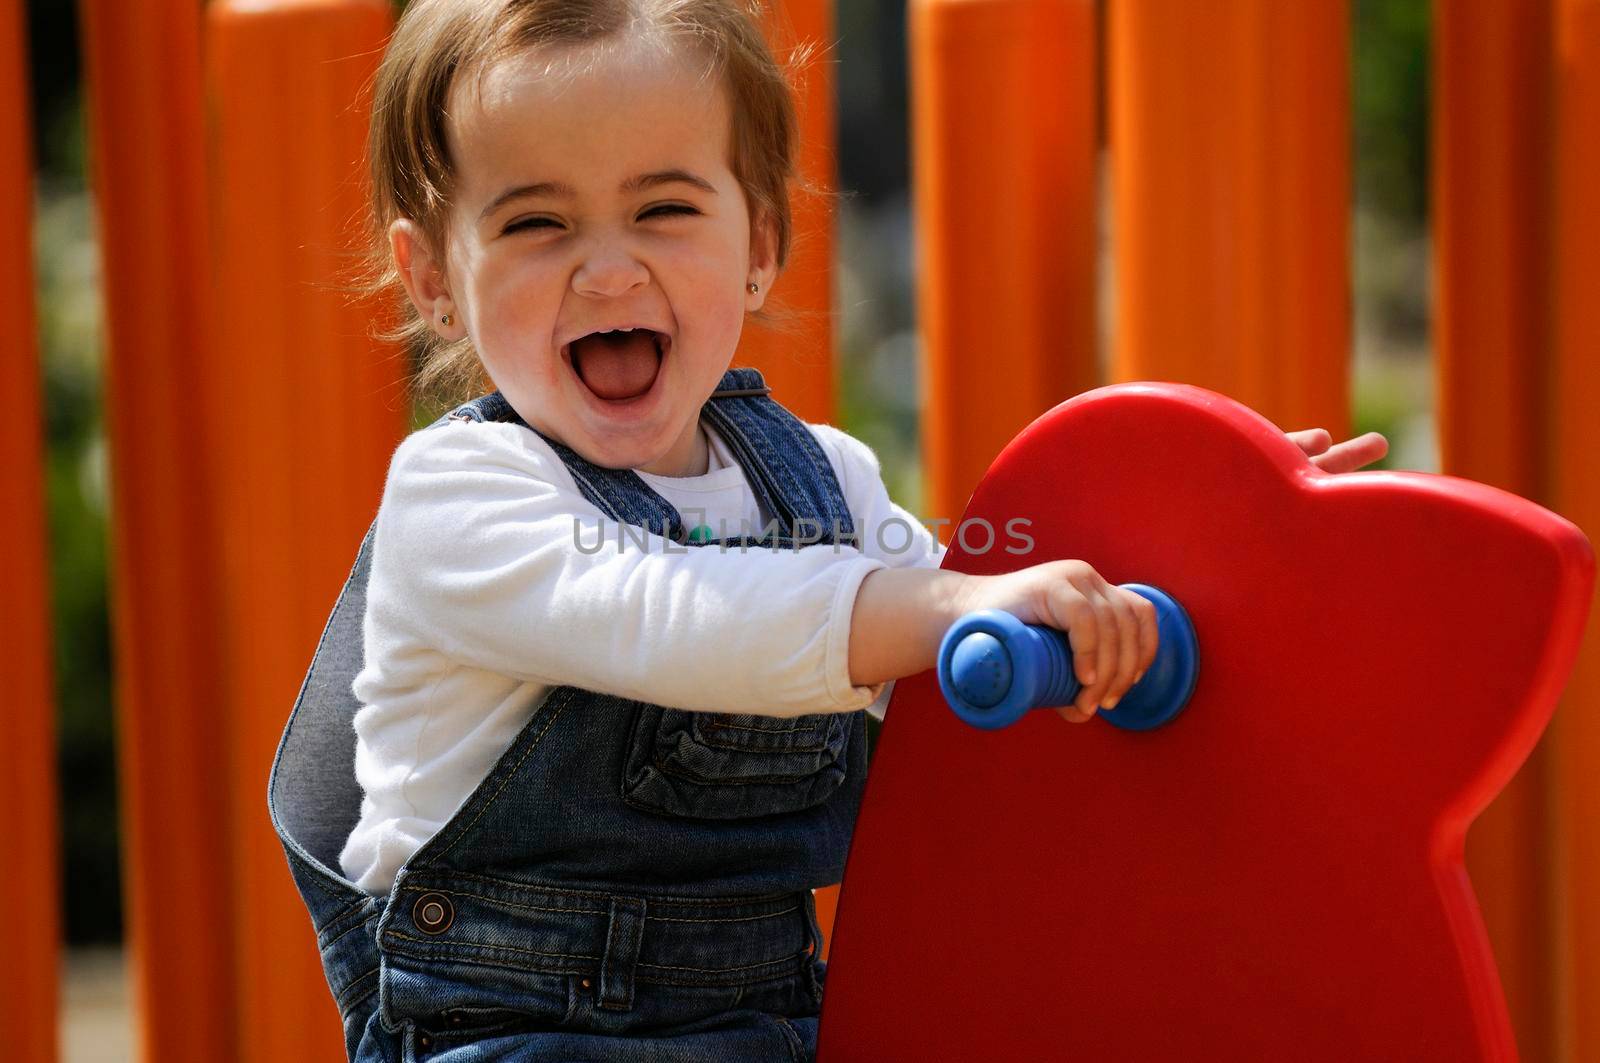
{"type": "Point", "coordinates": [1393, 386]}
{"type": "Point", "coordinates": [66, 265]}
{"type": "Point", "coordinates": [1389, 85]}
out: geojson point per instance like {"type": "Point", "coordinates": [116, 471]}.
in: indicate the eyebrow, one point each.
{"type": "Point", "coordinates": [558, 190]}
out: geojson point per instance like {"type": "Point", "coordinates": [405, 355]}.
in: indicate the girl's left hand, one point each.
{"type": "Point", "coordinates": [1348, 456]}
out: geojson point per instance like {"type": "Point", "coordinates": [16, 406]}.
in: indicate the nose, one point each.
{"type": "Point", "coordinates": [609, 269]}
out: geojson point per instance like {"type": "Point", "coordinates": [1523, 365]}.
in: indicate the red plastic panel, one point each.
{"type": "Point", "coordinates": [1275, 875]}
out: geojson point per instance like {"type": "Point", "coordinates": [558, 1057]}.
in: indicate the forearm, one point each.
{"type": "Point", "coordinates": [900, 615]}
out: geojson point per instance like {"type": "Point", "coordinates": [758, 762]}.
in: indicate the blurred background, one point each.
{"type": "Point", "coordinates": [877, 360]}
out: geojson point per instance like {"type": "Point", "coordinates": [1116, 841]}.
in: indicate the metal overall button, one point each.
{"type": "Point", "coordinates": [433, 913]}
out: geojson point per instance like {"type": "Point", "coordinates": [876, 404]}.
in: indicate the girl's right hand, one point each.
{"type": "Point", "coordinates": [1112, 631]}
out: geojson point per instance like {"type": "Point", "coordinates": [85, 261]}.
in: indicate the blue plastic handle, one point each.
{"type": "Point", "coordinates": [993, 668]}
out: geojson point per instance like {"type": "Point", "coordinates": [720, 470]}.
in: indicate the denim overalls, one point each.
{"type": "Point", "coordinates": [630, 882]}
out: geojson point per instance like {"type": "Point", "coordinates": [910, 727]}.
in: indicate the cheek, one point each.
{"type": "Point", "coordinates": [718, 310]}
{"type": "Point", "coordinates": [719, 248]}
{"type": "Point", "coordinates": [714, 278]}
{"type": "Point", "coordinates": [521, 295]}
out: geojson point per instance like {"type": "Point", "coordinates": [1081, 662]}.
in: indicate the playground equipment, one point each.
{"type": "Point", "coordinates": [993, 668]}
{"type": "Point", "coordinates": [1276, 873]}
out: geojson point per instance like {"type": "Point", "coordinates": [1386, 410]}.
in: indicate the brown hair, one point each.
{"type": "Point", "coordinates": [438, 41]}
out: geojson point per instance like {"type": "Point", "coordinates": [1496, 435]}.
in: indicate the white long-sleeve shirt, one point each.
{"type": "Point", "coordinates": [487, 591]}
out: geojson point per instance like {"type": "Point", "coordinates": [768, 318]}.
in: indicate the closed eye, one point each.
{"type": "Point", "coordinates": [667, 209]}
{"type": "Point", "coordinates": [531, 223]}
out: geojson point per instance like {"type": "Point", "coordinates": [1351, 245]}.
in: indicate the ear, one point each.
{"type": "Point", "coordinates": [763, 260]}
{"type": "Point", "coordinates": [422, 274]}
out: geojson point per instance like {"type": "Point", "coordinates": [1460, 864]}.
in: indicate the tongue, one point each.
{"type": "Point", "coordinates": [617, 365]}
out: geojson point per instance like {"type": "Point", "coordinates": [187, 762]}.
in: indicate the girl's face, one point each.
{"type": "Point", "coordinates": [587, 203]}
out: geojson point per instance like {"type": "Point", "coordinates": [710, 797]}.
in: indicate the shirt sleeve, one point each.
{"type": "Point", "coordinates": [486, 552]}
{"type": "Point", "coordinates": [889, 533]}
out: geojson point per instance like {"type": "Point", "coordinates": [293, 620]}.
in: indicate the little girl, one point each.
{"type": "Point", "coordinates": [607, 644]}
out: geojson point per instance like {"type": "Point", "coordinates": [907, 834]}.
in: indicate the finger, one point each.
{"type": "Point", "coordinates": [1088, 632]}
{"type": "Point", "coordinates": [1127, 644]}
{"type": "Point", "coordinates": [1363, 450]}
{"type": "Point", "coordinates": [1075, 616]}
{"type": "Point", "coordinates": [1149, 634]}
{"type": "Point", "coordinates": [1108, 650]}
{"type": "Point", "coordinates": [1312, 441]}
{"type": "Point", "coordinates": [1352, 454]}
{"type": "Point", "coordinates": [1346, 457]}
{"type": "Point", "coordinates": [1072, 714]}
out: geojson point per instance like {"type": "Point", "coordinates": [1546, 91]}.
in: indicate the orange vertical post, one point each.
{"type": "Point", "coordinates": [311, 409]}
{"type": "Point", "coordinates": [142, 64]}
{"type": "Point", "coordinates": [1490, 198]}
{"type": "Point", "coordinates": [796, 358]}
{"type": "Point", "coordinates": [1230, 135]}
{"type": "Point", "coordinates": [1575, 492]}
{"type": "Point", "coordinates": [1003, 172]}
{"type": "Point", "coordinates": [27, 726]}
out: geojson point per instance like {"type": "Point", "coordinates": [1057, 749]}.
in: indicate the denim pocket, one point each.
{"type": "Point", "coordinates": [707, 765]}
{"type": "Point", "coordinates": [442, 1010]}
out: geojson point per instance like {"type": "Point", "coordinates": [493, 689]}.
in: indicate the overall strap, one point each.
{"type": "Point", "coordinates": [786, 466]}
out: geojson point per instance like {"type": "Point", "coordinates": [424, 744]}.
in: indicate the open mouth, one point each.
{"type": "Point", "coordinates": [620, 364]}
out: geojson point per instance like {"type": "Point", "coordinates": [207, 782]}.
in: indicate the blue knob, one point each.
{"type": "Point", "coordinates": [993, 668]}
